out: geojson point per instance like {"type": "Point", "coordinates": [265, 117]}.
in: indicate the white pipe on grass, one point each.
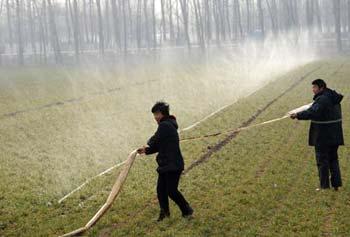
{"type": "Point", "coordinates": [297, 110]}
{"type": "Point", "coordinates": [112, 196]}
{"type": "Point", "coordinates": [116, 189]}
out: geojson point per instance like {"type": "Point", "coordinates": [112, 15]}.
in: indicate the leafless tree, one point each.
{"type": "Point", "coordinates": [336, 9]}
{"type": "Point", "coordinates": [100, 28]}
{"type": "Point", "coordinates": [45, 27]}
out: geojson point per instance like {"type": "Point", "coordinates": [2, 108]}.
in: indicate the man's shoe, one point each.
{"type": "Point", "coordinates": [321, 189]}
{"type": "Point", "coordinates": [188, 213]}
{"type": "Point", "coordinates": [162, 215]}
{"type": "Point", "coordinates": [336, 188]}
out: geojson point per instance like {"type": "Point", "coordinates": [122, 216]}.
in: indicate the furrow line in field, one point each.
{"type": "Point", "coordinates": [248, 122]}
{"type": "Point", "coordinates": [70, 101]}
{"type": "Point", "coordinates": [106, 231]}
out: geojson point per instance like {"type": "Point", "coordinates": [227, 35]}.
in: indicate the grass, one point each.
{"type": "Point", "coordinates": [261, 184]}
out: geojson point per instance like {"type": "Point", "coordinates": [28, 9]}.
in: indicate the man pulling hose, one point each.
{"type": "Point", "coordinates": [166, 143]}
{"type": "Point", "coordinates": [326, 132]}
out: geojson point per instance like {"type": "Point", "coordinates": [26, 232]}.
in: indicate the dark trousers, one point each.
{"type": "Point", "coordinates": [327, 162]}
{"type": "Point", "coordinates": [167, 187]}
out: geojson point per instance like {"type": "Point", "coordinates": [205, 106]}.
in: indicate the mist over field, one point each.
{"type": "Point", "coordinates": [78, 80]}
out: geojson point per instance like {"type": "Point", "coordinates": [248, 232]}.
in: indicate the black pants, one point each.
{"type": "Point", "coordinates": [327, 162]}
{"type": "Point", "coordinates": [167, 187]}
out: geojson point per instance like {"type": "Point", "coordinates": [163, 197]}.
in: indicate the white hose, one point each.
{"type": "Point", "coordinates": [112, 196]}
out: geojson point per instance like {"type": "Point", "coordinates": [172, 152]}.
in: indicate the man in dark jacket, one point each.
{"type": "Point", "coordinates": [170, 161]}
{"type": "Point", "coordinates": [326, 132]}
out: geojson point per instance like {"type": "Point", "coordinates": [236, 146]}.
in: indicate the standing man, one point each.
{"type": "Point", "coordinates": [170, 161]}
{"type": "Point", "coordinates": [326, 132]}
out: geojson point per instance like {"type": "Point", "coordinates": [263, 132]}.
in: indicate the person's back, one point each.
{"type": "Point", "coordinates": [326, 124]}
{"type": "Point", "coordinates": [166, 143]}
{"type": "Point", "coordinates": [169, 156]}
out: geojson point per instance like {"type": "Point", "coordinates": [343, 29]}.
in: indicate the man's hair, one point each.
{"type": "Point", "coordinates": [161, 107]}
{"type": "Point", "coordinates": [320, 83]}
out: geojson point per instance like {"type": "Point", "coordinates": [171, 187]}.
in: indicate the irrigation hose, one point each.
{"type": "Point", "coordinates": [125, 171]}
{"type": "Point", "coordinates": [112, 196]}
{"type": "Point", "coordinates": [132, 156]}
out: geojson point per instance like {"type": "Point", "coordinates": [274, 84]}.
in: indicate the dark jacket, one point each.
{"type": "Point", "coordinates": [325, 115]}
{"type": "Point", "coordinates": [166, 142]}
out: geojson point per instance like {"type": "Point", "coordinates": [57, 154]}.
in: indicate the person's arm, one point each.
{"type": "Point", "coordinates": [313, 112]}
{"type": "Point", "coordinates": [153, 142]}
{"type": "Point", "coordinates": [152, 146]}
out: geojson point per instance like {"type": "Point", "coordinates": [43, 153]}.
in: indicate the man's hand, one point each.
{"type": "Point", "coordinates": [293, 116]}
{"type": "Point", "coordinates": [141, 150]}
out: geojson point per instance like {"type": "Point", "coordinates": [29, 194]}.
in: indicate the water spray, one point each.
{"type": "Point", "coordinates": [302, 108]}
{"type": "Point", "coordinates": [287, 115]}
{"type": "Point", "coordinates": [116, 189]}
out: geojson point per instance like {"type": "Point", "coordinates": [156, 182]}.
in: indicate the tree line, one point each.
{"type": "Point", "coordinates": [45, 30]}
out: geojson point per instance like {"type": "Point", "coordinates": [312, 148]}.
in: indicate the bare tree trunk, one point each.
{"type": "Point", "coordinates": [217, 23]}
{"type": "Point", "coordinates": [237, 10]}
{"type": "Point", "coordinates": [177, 22]}
{"type": "Point", "coordinates": [107, 24]}
{"type": "Point", "coordinates": [116, 23]}
{"type": "Point", "coordinates": [138, 24]}
{"type": "Point", "coordinates": [2, 41]}
{"type": "Point", "coordinates": [67, 16]}
{"type": "Point", "coordinates": [207, 14]}
{"type": "Point", "coordinates": [75, 19]}
{"type": "Point", "coordinates": [221, 19]}
{"type": "Point", "coordinates": [309, 16]}
{"type": "Point", "coordinates": [284, 12]}
{"type": "Point", "coordinates": [92, 22]}
{"type": "Point", "coordinates": [248, 16]}
{"type": "Point", "coordinates": [293, 14]}
{"type": "Point", "coordinates": [130, 26]}
{"type": "Point", "coordinates": [154, 24]}
{"type": "Point", "coordinates": [86, 28]}
{"type": "Point", "coordinates": [100, 28]}
{"type": "Point", "coordinates": [145, 9]}
{"type": "Point", "coordinates": [125, 30]}
{"type": "Point", "coordinates": [348, 16]}
{"type": "Point", "coordinates": [42, 35]}
{"type": "Point", "coordinates": [20, 50]}
{"type": "Point", "coordinates": [9, 23]}
{"type": "Point", "coordinates": [296, 13]}
{"type": "Point", "coordinates": [54, 36]}
{"type": "Point", "coordinates": [121, 24]}
{"type": "Point", "coordinates": [273, 18]}
{"type": "Point", "coordinates": [336, 10]}
{"type": "Point", "coordinates": [163, 19]}
{"type": "Point", "coordinates": [261, 18]}
{"type": "Point", "coordinates": [227, 17]}
{"type": "Point", "coordinates": [199, 25]}
{"type": "Point", "coordinates": [318, 16]}
{"type": "Point", "coordinates": [31, 27]}
{"type": "Point", "coordinates": [185, 16]}
{"type": "Point", "coordinates": [275, 13]}
{"type": "Point", "coordinates": [171, 24]}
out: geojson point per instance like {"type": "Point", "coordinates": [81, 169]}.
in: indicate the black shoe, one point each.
{"type": "Point", "coordinates": [162, 215]}
{"type": "Point", "coordinates": [336, 188]}
{"type": "Point", "coordinates": [188, 212]}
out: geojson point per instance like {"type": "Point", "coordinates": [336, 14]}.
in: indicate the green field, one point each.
{"type": "Point", "coordinates": [261, 183]}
